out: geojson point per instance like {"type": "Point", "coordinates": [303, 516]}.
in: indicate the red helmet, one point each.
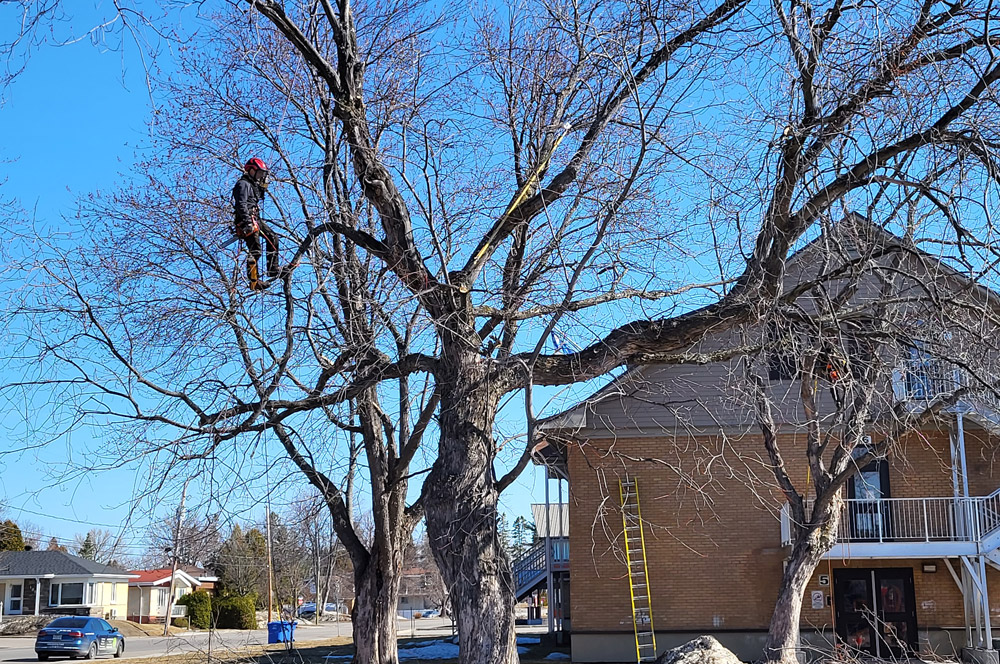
{"type": "Point", "coordinates": [255, 163]}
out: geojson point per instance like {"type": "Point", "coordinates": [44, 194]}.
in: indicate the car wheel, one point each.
{"type": "Point", "coordinates": [42, 656]}
{"type": "Point", "coordinates": [92, 651]}
{"type": "Point", "coordinates": [120, 649]}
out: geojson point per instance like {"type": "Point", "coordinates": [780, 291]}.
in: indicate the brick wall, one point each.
{"type": "Point", "coordinates": [714, 552]}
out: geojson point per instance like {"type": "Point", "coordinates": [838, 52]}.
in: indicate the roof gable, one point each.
{"type": "Point", "coordinates": [156, 577]}
{"type": "Point", "coordinates": [852, 237]}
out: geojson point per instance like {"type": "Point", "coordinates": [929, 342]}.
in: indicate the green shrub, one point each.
{"type": "Point", "coordinates": [199, 604]}
{"type": "Point", "coordinates": [234, 612]}
{"type": "Point", "coordinates": [181, 622]}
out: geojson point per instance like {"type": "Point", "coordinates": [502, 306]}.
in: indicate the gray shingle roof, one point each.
{"type": "Point", "coordinates": [44, 563]}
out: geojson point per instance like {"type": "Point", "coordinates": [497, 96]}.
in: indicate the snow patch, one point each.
{"type": "Point", "coordinates": [432, 650]}
{"type": "Point", "coordinates": [437, 650]}
{"type": "Point", "coordinates": [528, 640]}
{"type": "Point", "coordinates": [557, 655]}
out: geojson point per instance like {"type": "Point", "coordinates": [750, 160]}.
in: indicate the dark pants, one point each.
{"type": "Point", "coordinates": [254, 247]}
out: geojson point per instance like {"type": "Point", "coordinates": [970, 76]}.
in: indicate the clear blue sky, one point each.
{"type": "Point", "coordinates": [72, 124]}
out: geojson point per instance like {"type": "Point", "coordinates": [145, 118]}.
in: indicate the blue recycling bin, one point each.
{"type": "Point", "coordinates": [281, 631]}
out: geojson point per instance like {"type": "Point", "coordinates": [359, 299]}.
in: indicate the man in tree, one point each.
{"type": "Point", "coordinates": [247, 194]}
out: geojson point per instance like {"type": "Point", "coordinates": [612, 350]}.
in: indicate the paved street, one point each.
{"type": "Point", "coordinates": [21, 648]}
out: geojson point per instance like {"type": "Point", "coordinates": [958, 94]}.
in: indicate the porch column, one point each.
{"type": "Point", "coordinates": [961, 451]}
{"type": "Point", "coordinates": [986, 604]}
{"type": "Point", "coordinates": [548, 554]}
{"type": "Point", "coordinates": [566, 535]}
{"type": "Point", "coordinates": [38, 594]}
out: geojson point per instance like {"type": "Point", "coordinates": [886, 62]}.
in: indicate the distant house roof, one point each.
{"type": "Point", "coordinates": [52, 563]}
{"type": "Point", "coordinates": [200, 573]}
{"type": "Point", "coordinates": [157, 577]}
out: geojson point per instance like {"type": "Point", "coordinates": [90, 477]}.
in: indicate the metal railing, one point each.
{"type": "Point", "coordinates": [925, 379]}
{"type": "Point", "coordinates": [911, 519]}
{"type": "Point", "coordinates": [532, 562]}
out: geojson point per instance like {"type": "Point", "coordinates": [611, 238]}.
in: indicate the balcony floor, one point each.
{"type": "Point", "coordinates": [942, 549]}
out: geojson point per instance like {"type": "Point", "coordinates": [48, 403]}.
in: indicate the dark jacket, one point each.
{"type": "Point", "coordinates": [246, 199]}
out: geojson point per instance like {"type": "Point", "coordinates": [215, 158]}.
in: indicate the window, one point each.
{"type": "Point", "coordinates": [15, 598]}
{"type": "Point", "coordinates": [114, 593]}
{"type": "Point", "coordinates": [781, 364]}
{"type": "Point", "coordinates": [64, 594]}
{"type": "Point", "coordinates": [161, 596]}
{"type": "Point", "coordinates": [75, 623]}
{"type": "Point", "coordinates": [91, 593]}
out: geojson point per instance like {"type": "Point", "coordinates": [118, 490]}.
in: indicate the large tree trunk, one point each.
{"type": "Point", "coordinates": [807, 552]}
{"type": "Point", "coordinates": [373, 618]}
{"type": "Point", "coordinates": [461, 514]}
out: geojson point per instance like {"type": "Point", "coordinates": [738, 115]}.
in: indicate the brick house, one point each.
{"type": "Point", "coordinates": [916, 562]}
{"type": "Point", "coordinates": [57, 583]}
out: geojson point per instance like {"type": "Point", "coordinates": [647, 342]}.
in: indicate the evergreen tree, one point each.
{"type": "Point", "coordinates": [241, 564]}
{"type": "Point", "coordinates": [10, 537]}
{"type": "Point", "coordinates": [503, 533]}
{"type": "Point", "coordinates": [524, 534]}
{"type": "Point", "coordinates": [88, 549]}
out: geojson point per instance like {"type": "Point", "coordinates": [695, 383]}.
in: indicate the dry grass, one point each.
{"type": "Point", "coordinates": [313, 652]}
{"type": "Point", "coordinates": [129, 628]}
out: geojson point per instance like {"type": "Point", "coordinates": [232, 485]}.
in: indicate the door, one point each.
{"type": "Point", "coordinates": [15, 592]}
{"type": "Point", "coordinates": [869, 513]}
{"type": "Point", "coordinates": [876, 612]}
{"type": "Point", "coordinates": [107, 640]}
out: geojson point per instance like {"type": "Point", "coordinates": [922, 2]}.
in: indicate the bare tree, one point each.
{"type": "Point", "coordinates": [32, 24]}
{"type": "Point", "coordinates": [199, 538]}
{"type": "Point", "coordinates": [873, 303]}
{"type": "Point", "coordinates": [452, 195]}
{"type": "Point", "coordinates": [97, 544]}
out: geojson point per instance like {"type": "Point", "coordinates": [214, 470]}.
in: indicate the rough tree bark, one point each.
{"type": "Point", "coordinates": [461, 511]}
{"type": "Point", "coordinates": [373, 618]}
{"type": "Point", "coordinates": [783, 632]}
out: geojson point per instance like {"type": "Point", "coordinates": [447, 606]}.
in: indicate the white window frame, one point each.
{"type": "Point", "coordinates": [58, 595]}
{"type": "Point", "coordinates": [114, 592]}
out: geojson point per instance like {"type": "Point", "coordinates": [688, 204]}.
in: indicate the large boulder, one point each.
{"type": "Point", "coordinates": [703, 650]}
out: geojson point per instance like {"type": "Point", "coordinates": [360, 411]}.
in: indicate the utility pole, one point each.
{"type": "Point", "coordinates": [270, 564]}
{"type": "Point", "coordinates": [173, 570]}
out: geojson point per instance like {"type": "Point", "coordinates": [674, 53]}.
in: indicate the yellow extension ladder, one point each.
{"type": "Point", "coordinates": [638, 574]}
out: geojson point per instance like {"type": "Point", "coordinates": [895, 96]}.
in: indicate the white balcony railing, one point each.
{"type": "Point", "coordinates": [911, 519]}
{"type": "Point", "coordinates": [178, 611]}
{"type": "Point", "coordinates": [922, 378]}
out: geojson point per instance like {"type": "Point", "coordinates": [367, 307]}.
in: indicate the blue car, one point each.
{"type": "Point", "coordinates": [79, 637]}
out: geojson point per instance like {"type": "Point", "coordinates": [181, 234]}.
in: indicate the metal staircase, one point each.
{"type": "Point", "coordinates": [638, 574]}
{"type": "Point", "coordinates": [529, 569]}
